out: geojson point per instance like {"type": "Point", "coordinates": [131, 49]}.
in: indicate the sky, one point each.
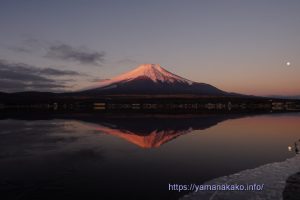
{"type": "Point", "coordinates": [236, 45]}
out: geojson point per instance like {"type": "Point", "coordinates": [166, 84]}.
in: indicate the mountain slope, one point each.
{"type": "Point", "coordinates": [153, 79]}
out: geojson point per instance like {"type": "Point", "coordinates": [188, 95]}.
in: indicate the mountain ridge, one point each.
{"type": "Point", "coordinates": [153, 79]}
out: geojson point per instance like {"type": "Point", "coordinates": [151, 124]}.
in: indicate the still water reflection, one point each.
{"type": "Point", "coordinates": [134, 156]}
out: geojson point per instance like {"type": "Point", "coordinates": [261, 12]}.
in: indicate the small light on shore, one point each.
{"type": "Point", "coordinates": [288, 64]}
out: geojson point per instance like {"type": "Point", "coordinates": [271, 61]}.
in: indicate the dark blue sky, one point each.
{"type": "Point", "coordinates": [239, 46]}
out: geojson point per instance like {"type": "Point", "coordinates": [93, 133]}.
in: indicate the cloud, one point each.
{"type": "Point", "coordinates": [28, 45]}
{"type": "Point", "coordinates": [8, 85]}
{"type": "Point", "coordinates": [20, 49]}
{"type": "Point", "coordinates": [20, 76]}
{"type": "Point", "coordinates": [81, 55]}
{"type": "Point", "coordinates": [98, 79]}
{"type": "Point", "coordinates": [56, 72]}
{"type": "Point", "coordinates": [60, 51]}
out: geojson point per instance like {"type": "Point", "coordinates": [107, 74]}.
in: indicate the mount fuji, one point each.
{"type": "Point", "coordinates": [151, 79]}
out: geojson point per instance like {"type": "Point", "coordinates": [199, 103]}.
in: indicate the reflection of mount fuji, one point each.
{"type": "Point", "coordinates": [149, 131]}
{"type": "Point", "coordinates": [146, 131]}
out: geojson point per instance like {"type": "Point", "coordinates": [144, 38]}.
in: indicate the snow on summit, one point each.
{"type": "Point", "coordinates": [151, 71]}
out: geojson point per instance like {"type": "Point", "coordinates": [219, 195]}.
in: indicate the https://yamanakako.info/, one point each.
{"type": "Point", "coordinates": [215, 187]}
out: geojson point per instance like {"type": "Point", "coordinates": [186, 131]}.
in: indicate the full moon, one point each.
{"type": "Point", "coordinates": [288, 64]}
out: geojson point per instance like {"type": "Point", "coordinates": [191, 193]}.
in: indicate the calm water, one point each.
{"type": "Point", "coordinates": [136, 156]}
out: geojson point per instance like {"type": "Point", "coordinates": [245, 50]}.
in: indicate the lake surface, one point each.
{"type": "Point", "coordinates": [134, 156]}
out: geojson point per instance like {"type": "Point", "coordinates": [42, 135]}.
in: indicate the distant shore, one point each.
{"type": "Point", "coordinates": [64, 102]}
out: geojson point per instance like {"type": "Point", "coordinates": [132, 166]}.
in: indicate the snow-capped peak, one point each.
{"type": "Point", "coordinates": [152, 71]}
